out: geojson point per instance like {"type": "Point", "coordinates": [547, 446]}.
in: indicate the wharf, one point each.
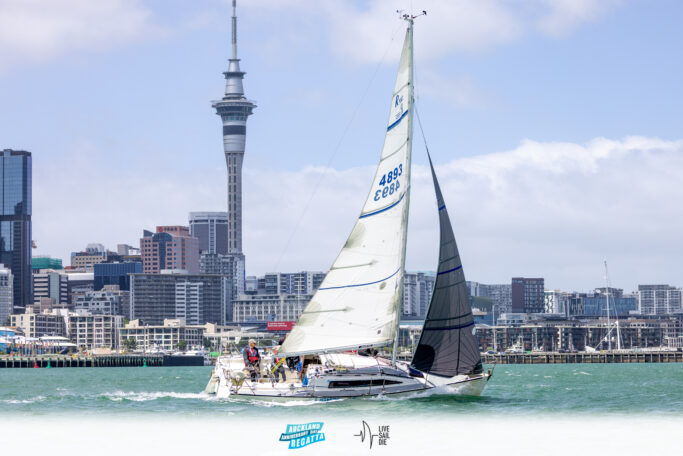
{"type": "Point", "coordinates": [583, 357]}
{"type": "Point", "coordinates": [99, 361]}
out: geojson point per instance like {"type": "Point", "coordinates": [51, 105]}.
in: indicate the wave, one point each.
{"type": "Point", "coordinates": [145, 396]}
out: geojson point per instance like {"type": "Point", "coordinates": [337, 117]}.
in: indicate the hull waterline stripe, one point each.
{"type": "Point", "coordinates": [398, 121]}
{"type": "Point", "coordinates": [450, 270]}
{"type": "Point", "coordinates": [382, 210]}
{"type": "Point", "coordinates": [442, 328]}
{"type": "Point", "coordinates": [361, 284]}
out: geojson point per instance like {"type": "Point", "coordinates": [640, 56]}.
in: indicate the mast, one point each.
{"type": "Point", "coordinates": [410, 20]}
{"type": "Point", "coordinates": [609, 329]}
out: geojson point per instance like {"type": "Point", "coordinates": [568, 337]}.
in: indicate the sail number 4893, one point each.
{"type": "Point", "coordinates": [389, 183]}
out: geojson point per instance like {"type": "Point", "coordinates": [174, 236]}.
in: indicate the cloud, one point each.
{"type": "Point", "coordinates": [359, 31]}
{"type": "Point", "coordinates": [36, 31]}
{"type": "Point", "coordinates": [554, 210]}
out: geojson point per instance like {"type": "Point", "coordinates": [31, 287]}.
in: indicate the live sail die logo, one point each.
{"type": "Point", "coordinates": [301, 435]}
{"type": "Point", "coordinates": [380, 437]}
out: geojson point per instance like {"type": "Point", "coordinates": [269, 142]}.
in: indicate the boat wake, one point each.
{"type": "Point", "coordinates": [23, 401]}
{"type": "Point", "coordinates": [119, 396]}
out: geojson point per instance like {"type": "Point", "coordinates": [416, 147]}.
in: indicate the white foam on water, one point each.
{"type": "Point", "coordinates": [118, 396]}
{"type": "Point", "coordinates": [23, 401]}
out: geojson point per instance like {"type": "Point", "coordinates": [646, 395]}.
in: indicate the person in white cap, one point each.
{"type": "Point", "coordinates": [252, 359]}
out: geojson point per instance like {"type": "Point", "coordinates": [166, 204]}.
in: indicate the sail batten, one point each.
{"type": "Point", "coordinates": [366, 279]}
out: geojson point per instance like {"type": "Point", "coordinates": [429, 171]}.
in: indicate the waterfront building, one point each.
{"type": "Point", "coordinates": [126, 250]}
{"type": "Point", "coordinates": [171, 247]}
{"type": "Point", "coordinates": [110, 300]}
{"type": "Point", "coordinates": [269, 307]}
{"type": "Point", "coordinates": [173, 294]}
{"type": "Point", "coordinates": [556, 302]}
{"type": "Point", "coordinates": [45, 262]}
{"type": "Point", "coordinates": [15, 222]}
{"type": "Point", "coordinates": [619, 305]}
{"type": "Point", "coordinates": [417, 293]}
{"type": "Point", "coordinates": [304, 282]}
{"type": "Point", "coordinates": [211, 229]}
{"type": "Point", "coordinates": [500, 294]}
{"type": "Point", "coordinates": [89, 331]}
{"type": "Point", "coordinates": [527, 295]}
{"type": "Point", "coordinates": [38, 324]}
{"type": "Point", "coordinates": [115, 274]}
{"type": "Point", "coordinates": [166, 335]}
{"type": "Point", "coordinates": [658, 299]}
{"type": "Point", "coordinates": [51, 284]}
{"type": "Point", "coordinates": [234, 109]}
{"type": "Point", "coordinates": [6, 294]}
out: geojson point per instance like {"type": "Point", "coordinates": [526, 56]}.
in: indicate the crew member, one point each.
{"type": "Point", "coordinates": [252, 359]}
{"type": "Point", "coordinates": [279, 368]}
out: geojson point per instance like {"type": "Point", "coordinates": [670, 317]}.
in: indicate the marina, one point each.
{"type": "Point", "coordinates": [584, 357]}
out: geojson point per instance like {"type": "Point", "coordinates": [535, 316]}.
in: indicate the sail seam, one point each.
{"type": "Point", "coordinates": [449, 318]}
{"type": "Point", "coordinates": [361, 284]}
{"type": "Point", "coordinates": [394, 152]}
{"type": "Point", "coordinates": [384, 209]}
{"type": "Point", "coordinates": [442, 207]}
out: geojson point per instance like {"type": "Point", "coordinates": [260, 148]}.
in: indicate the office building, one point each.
{"type": "Point", "coordinates": [15, 222]}
{"type": "Point", "coordinates": [51, 284]}
{"type": "Point", "coordinates": [211, 229]}
{"type": "Point", "coordinates": [527, 295]}
{"type": "Point", "coordinates": [6, 295]}
{"type": "Point", "coordinates": [115, 274]}
{"type": "Point", "coordinates": [196, 298]}
{"type": "Point", "coordinates": [658, 299]}
{"type": "Point", "coordinates": [171, 247]}
{"type": "Point", "coordinates": [234, 109]}
{"type": "Point", "coordinates": [269, 307]}
{"type": "Point", "coordinates": [78, 284]}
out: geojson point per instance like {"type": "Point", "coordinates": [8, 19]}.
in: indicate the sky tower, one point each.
{"type": "Point", "coordinates": [234, 108]}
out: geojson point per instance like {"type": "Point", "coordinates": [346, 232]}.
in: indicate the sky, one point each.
{"type": "Point", "coordinates": [554, 125]}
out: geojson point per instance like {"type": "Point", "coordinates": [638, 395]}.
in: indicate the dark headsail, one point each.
{"type": "Point", "coordinates": [447, 346]}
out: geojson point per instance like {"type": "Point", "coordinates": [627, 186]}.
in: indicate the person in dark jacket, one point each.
{"type": "Point", "coordinates": [252, 359]}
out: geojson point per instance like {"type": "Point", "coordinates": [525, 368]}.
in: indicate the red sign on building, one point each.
{"type": "Point", "coordinates": [280, 325]}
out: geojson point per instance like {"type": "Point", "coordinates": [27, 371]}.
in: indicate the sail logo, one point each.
{"type": "Point", "coordinates": [381, 437]}
{"type": "Point", "coordinates": [301, 435]}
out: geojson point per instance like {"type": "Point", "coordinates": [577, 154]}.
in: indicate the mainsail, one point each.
{"type": "Point", "coordinates": [447, 346]}
{"type": "Point", "coordinates": [358, 303]}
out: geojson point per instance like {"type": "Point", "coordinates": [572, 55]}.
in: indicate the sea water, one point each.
{"type": "Point", "coordinates": [568, 389]}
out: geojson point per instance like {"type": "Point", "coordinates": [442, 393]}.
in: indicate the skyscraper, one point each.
{"type": "Point", "coordinates": [211, 228]}
{"type": "Point", "coordinates": [171, 247]}
{"type": "Point", "coordinates": [15, 222]}
{"type": "Point", "coordinates": [234, 108]}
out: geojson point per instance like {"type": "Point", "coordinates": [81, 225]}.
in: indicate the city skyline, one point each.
{"type": "Point", "coordinates": [567, 148]}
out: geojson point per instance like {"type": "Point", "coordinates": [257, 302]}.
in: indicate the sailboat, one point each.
{"type": "Point", "coordinates": [357, 307]}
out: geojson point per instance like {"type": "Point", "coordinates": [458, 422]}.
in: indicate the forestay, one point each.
{"type": "Point", "coordinates": [358, 303]}
{"type": "Point", "coordinates": [447, 345]}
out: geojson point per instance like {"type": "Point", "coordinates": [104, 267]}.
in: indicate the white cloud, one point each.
{"type": "Point", "coordinates": [35, 31]}
{"type": "Point", "coordinates": [543, 209]}
{"type": "Point", "coordinates": [563, 16]}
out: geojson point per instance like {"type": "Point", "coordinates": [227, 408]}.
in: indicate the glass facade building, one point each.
{"type": "Point", "coordinates": [115, 274]}
{"type": "Point", "coordinates": [15, 222]}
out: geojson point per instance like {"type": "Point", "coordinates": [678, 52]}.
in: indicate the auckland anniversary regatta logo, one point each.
{"type": "Point", "coordinates": [301, 435]}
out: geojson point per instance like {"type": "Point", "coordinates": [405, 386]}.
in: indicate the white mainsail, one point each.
{"type": "Point", "coordinates": [358, 304]}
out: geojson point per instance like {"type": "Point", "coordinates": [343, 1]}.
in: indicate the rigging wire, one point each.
{"type": "Point", "coordinates": [336, 149]}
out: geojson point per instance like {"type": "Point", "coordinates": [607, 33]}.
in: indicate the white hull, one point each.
{"type": "Point", "coordinates": [330, 384]}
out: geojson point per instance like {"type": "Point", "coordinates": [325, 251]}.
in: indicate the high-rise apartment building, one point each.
{"type": "Point", "coordinates": [528, 295]}
{"type": "Point", "coordinates": [171, 247]}
{"type": "Point", "coordinates": [234, 109]}
{"type": "Point", "coordinates": [15, 222]}
{"type": "Point", "coordinates": [499, 294]}
{"type": "Point", "coordinates": [417, 293]}
{"type": "Point", "coordinates": [211, 229]}
{"type": "Point", "coordinates": [658, 299]}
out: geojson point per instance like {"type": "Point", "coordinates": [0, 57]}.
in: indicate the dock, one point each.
{"type": "Point", "coordinates": [62, 361]}
{"type": "Point", "coordinates": [583, 357]}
